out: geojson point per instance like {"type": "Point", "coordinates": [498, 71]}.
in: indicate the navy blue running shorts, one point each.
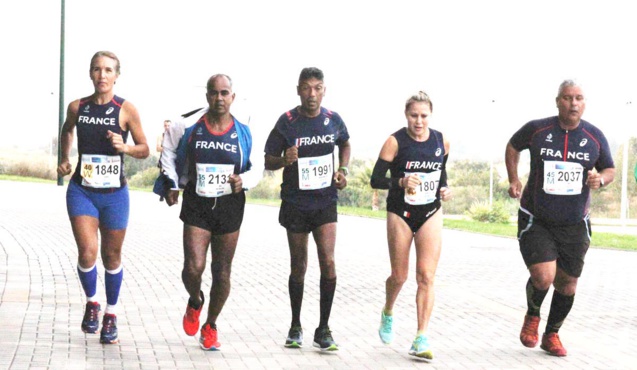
{"type": "Point", "coordinates": [221, 215]}
{"type": "Point", "coordinates": [111, 209]}
{"type": "Point", "coordinates": [304, 221]}
{"type": "Point", "coordinates": [541, 242]}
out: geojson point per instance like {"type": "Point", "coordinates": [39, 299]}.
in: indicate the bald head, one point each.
{"type": "Point", "coordinates": [213, 79]}
{"type": "Point", "coordinates": [219, 95]}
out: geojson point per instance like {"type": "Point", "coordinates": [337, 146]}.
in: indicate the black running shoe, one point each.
{"type": "Point", "coordinates": [295, 337]}
{"type": "Point", "coordinates": [323, 339]}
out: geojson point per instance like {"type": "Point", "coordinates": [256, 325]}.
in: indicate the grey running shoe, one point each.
{"type": "Point", "coordinates": [323, 340]}
{"type": "Point", "coordinates": [295, 337]}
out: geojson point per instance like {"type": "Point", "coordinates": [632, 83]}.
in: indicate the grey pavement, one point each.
{"type": "Point", "coordinates": [480, 301]}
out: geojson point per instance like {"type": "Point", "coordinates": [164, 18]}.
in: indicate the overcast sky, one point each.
{"type": "Point", "coordinates": [489, 66]}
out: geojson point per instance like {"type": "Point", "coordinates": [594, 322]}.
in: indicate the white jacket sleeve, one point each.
{"type": "Point", "coordinates": [252, 177]}
{"type": "Point", "coordinates": [168, 159]}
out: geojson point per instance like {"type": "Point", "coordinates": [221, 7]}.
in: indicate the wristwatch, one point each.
{"type": "Point", "coordinates": [344, 169]}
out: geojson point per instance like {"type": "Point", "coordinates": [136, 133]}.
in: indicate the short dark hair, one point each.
{"type": "Point", "coordinates": [310, 72]}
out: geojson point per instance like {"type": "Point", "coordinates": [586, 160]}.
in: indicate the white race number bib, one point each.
{"type": "Point", "coordinates": [563, 178]}
{"type": "Point", "coordinates": [101, 171]}
{"type": "Point", "coordinates": [315, 172]}
{"type": "Point", "coordinates": [212, 179]}
{"type": "Point", "coordinates": [425, 192]}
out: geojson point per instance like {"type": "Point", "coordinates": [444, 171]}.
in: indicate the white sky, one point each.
{"type": "Point", "coordinates": [465, 54]}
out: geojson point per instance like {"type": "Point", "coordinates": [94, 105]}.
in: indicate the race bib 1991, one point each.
{"type": "Point", "coordinates": [315, 172]}
{"type": "Point", "coordinates": [101, 171]}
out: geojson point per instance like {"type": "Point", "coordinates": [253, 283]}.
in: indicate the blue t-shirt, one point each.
{"type": "Point", "coordinates": [552, 193]}
{"type": "Point", "coordinates": [314, 137]}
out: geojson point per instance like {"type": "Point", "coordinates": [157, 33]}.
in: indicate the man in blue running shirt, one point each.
{"type": "Point", "coordinates": [569, 157]}
{"type": "Point", "coordinates": [302, 143]}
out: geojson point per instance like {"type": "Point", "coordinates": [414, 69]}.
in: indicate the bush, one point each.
{"type": "Point", "coordinates": [144, 179]}
{"type": "Point", "coordinates": [40, 170]}
{"type": "Point", "coordinates": [355, 197]}
{"type": "Point", "coordinates": [481, 211]}
{"type": "Point", "coordinates": [462, 196]}
{"type": "Point", "coordinates": [268, 188]}
{"type": "Point", "coordinates": [134, 165]}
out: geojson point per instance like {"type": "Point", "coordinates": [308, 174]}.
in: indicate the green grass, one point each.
{"type": "Point", "coordinates": [599, 240]}
{"type": "Point", "coordinates": [25, 179]}
{"type": "Point", "coordinates": [265, 202]}
{"type": "Point", "coordinates": [508, 230]}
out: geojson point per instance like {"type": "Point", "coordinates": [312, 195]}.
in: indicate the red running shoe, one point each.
{"type": "Point", "coordinates": [191, 317]}
{"type": "Point", "coordinates": [551, 343]}
{"type": "Point", "coordinates": [208, 339]}
{"type": "Point", "coordinates": [528, 334]}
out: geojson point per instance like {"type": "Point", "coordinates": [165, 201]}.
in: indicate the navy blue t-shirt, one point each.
{"type": "Point", "coordinates": [206, 147]}
{"type": "Point", "coordinates": [556, 191]}
{"type": "Point", "coordinates": [314, 137]}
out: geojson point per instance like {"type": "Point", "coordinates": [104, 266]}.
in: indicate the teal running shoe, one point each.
{"type": "Point", "coordinates": [385, 331]}
{"type": "Point", "coordinates": [421, 348]}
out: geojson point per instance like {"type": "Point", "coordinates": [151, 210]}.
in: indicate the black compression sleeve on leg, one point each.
{"type": "Point", "coordinates": [328, 288]}
{"type": "Point", "coordinates": [534, 299]}
{"type": "Point", "coordinates": [296, 300]}
{"type": "Point", "coordinates": [560, 307]}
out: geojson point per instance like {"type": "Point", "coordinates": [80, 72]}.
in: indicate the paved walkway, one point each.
{"type": "Point", "coordinates": [479, 308]}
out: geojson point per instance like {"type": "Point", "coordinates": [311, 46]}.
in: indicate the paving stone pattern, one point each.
{"type": "Point", "coordinates": [479, 309]}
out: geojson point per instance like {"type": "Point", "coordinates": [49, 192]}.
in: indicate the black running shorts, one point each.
{"type": "Point", "coordinates": [221, 215]}
{"type": "Point", "coordinates": [541, 242]}
{"type": "Point", "coordinates": [304, 221]}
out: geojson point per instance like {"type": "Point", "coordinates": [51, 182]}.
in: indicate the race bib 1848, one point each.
{"type": "Point", "coordinates": [101, 171]}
